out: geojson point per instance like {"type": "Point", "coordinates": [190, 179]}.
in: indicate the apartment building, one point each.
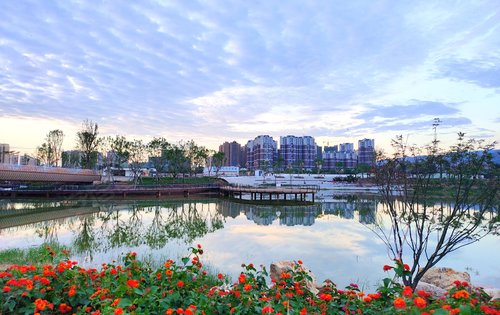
{"type": "Point", "coordinates": [366, 152]}
{"type": "Point", "coordinates": [298, 152]}
{"type": "Point", "coordinates": [233, 153]}
{"type": "Point", "coordinates": [261, 152]}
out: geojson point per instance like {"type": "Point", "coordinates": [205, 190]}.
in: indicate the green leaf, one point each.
{"type": "Point", "coordinates": [185, 260]}
{"type": "Point", "coordinates": [441, 312]}
{"type": "Point", "coordinates": [124, 302]}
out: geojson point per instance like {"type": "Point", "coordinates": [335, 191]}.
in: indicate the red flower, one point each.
{"type": "Point", "coordinates": [399, 303]}
{"type": "Point", "coordinates": [180, 284]}
{"type": "Point", "coordinates": [63, 308]}
{"type": "Point", "coordinates": [387, 267]}
{"type": "Point", "coordinates": [419, 302]}
{"type": "Point", "coordinates": [406, 267]}
{"type": "Point", "coordinates": [118, 311]}
{"type": "Point", "coordinates": [407, 291]}
{"type": "Point", "coordinates": [220, 276]}
{"type": "Point", "coordinates": [267, 309]}
{"type": "Point", "coordinates": [133, 283]}
{"type": "Point", "coordinates": [6, 289]}
{"type": "Point", "coordinates": [242, 278]}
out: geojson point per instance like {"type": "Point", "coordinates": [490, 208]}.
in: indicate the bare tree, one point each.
{"type": "Point", "coordinates": [431, 216]}
{"type": "Point", "coordinates": [54, 141]}
{"type": "Point", "coordinates": [87, 142]}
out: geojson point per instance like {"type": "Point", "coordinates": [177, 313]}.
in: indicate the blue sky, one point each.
{"type": "Point", "coordinates": [214, 71]}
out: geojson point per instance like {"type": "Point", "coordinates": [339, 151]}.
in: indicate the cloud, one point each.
{"type": "Point", "coordinates": [482, 72]}
{"type": "Point", "coordinates": [210, 71]}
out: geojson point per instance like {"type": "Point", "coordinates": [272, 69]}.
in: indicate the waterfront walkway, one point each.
{"type": "Point", "coordinates": [112, 190]}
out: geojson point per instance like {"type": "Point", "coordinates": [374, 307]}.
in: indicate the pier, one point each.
{"type": "Point", "coordinates": [298, 193]}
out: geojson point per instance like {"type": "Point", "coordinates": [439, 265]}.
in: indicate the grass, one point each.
{"type": "Point", "coordinates": [171, 180]}
{"type": "Point", "coordinates": [33, 255]}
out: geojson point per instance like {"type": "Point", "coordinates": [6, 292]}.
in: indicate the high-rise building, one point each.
{"type": "Point", "coordinates": [4, 153]}
{"type": "Point", "coordinates": [339, 157]}
{"type": "Point", "coordinates": [232, 153]}
{"type": "Point", "coordinates": [261, 152]}
{"type": "Point", "coordinates": [298, 152]}
{"type": "Point", "coordinates": [366, 152]}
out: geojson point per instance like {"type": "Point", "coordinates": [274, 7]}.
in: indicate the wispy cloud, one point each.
{"type": "Point", "coordinates": [213, 70]}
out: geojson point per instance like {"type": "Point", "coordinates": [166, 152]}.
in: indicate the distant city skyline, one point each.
{"type": "Point", "coordinates": [220, 71]}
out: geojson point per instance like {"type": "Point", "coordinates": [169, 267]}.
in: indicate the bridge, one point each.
{"type": "Point", "coordinates": [31, 173]}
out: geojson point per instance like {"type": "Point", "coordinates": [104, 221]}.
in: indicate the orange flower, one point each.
{"type": "Point", "coordinates": [399, 303]}
{"type": "Point", "coordinates": [133, 283]}
{"type": "Point", "coordinates": [169, 311]}
{"type": "Point", "coordinates": [118, 311]}
{"type": "Point", "coordinates": [247, 287]}
{"type": "Point", "coordinates": [169, 273]}
{"type": "Point", "coordinates": [419, 302]}
{"type": "Point", "coordinates": [462, 294]}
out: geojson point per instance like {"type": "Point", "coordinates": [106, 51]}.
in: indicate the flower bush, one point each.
{"type": "Point", "coordinates": [184, 287]}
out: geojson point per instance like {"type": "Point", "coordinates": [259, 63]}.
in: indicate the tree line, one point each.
{"type": "Point", "coordinates": [114, 152]}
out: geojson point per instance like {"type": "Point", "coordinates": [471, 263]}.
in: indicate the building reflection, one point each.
{"type": "Point", "coordinates": [347, 206]}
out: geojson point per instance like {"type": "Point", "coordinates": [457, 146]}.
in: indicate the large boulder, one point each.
{"type": "Point", "coordinates": [277, 268]}
{"type": "Point", "coordinates": [445, 277]}
{"type": "Point", "coordinates": [434, 291]}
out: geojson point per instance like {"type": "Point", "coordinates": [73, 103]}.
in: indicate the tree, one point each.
{"type": "Point", "coordinates": [195, 155]}
{"type": "Point", "coordinates": [157, 150]}
{"type": "Point", "coordinates": [54, 141]}
{"type": "Point", "coordinates": [177, 161]}
{"type": "Point", "coordinates": [423, 220]}
{"type": "Point", "coordinates": [218, 159]}
{"type": "Point", "coordinates": [278, 164]}
{"type": "Point", "coordinates": [49, 153]}
{"type": "Point", "coordinates": [120, 150]}
{"type": "Point", "coordinates": [87, 142]}
{"type": "Point", "coordinates": [44, 154]}
{"type": "Point", "coordinates": [319, 164]}
{"type": "Point", "coordinates": [137, 156]}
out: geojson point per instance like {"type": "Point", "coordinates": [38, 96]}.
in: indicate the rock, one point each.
{"type": "Point", "coordinates": [494, 293]}
{"type": "Point", "coordinates": [277, 268]}
{"type": "Point", "coordinates": [436, 292]}
{"type": "Point", "coordinates": [444, 277]}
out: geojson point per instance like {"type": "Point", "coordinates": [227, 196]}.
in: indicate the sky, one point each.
{"type": "Point", "coordinates": [216, 71]}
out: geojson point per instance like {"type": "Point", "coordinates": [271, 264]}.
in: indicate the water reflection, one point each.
{"type": "Point", "coordinates": [101, 225]}
{"type": "Point", "coordinates": [331, 236]}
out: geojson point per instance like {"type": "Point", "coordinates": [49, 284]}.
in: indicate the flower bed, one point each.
{"type": "Point", "coordinates": [186, 288]}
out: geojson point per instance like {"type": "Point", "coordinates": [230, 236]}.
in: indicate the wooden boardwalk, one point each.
{"type": "Point", "coordinates": [260, 193]}
{"type": "Point", "coordinates": [117, 190]}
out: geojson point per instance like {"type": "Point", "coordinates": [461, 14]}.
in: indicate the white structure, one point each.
{"type": "Point", "coordinates": [223, 171]}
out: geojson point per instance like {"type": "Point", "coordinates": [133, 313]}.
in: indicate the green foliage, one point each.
{"type": "Point", "coordinates": [185, 287]}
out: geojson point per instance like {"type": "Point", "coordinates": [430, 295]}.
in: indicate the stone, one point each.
{"type": "Point", "coordinates": [494, 293]}
{"type": "Point", "coordinates": [435, 292]}
{"type": "Point", "coordinates": [277, 268]}
{"type": "Point", "coordinates": [444, 277]}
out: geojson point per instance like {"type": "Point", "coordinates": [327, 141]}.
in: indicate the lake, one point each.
{"type": "Point", "coordinates": [332, 237]}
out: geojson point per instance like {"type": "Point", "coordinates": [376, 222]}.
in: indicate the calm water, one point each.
{"type": "Point", "coordinates": [332, 237]}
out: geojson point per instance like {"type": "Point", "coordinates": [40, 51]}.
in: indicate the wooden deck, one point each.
{"type": "Point", "coordinates": [268, 192]}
